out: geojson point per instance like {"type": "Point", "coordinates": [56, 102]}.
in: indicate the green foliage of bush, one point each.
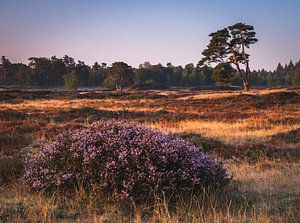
{"type": "Point", "coordinates": [120, 74]}
{"type": "Point", "coordinates": [109, 84]}
{"type": "Point", "coordinates": [296, 77]}
{"type": "Point", "coordinates": [72, 81]}
{"type": "Point", "coordinates": [223, 74]}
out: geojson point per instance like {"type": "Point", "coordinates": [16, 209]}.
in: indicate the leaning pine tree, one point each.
{"type": "Point", "coordinates": [229, 45]}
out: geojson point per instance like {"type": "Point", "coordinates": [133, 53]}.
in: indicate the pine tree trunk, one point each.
{"type": "Point", "coordinates": [246, 78]}
{"type": "Point", "coordinates": [246, 85]}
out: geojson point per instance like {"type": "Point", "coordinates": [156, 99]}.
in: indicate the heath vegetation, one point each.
{"type": "Point", "coordinates": [66, 149]}
{"type": "Point", "coordinates": [157, 122]}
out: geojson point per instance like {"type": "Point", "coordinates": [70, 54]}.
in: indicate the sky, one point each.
{"type": "Point", "coordinates": [135, 31]}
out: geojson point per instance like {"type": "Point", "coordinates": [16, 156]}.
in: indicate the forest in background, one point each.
{"type": "Point", "coordinates": [42, 71]}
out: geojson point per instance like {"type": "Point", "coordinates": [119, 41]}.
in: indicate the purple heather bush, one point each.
{"type": "Point", "coordinates": [124, 160]}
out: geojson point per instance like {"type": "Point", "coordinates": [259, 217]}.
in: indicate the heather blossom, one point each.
{"type": "Point", "coordinates": [123, 160]}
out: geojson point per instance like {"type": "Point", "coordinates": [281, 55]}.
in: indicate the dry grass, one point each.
{"type": "Point", "coordinates": [266, 189]}
{"type": "Point", "coordinates": [224, 94]}
{"type": "Point", "coordinates": [232, 133]}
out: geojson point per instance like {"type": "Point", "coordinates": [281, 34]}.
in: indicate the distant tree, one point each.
{"type": "Point", "coordinates": [289, 73]}
{"type": "Point", "coordinates": [296, 77]}
{"type": "Point", "coordinates": [258, 78]}
{"type": "Point", "coordinates": [279, 75]}
{"type": "Point", "coordinates": [5, 69]}
{"type": "Point", "coordinates": [72, 81]}
{"type": "Point", "coordinates": [199, 77]}
{"type": "Point", "coordinates": [146, 64]}
{"type": "Point", "coordinates": [160, 74]}
{"type": "Point", "coordinates": [58, 70]}
{"type": "Point", "coordinates": [291, 65]}
{"type": "Point", "coordinates": [144, 73]}
{"type": "Point", "coordinates": [97, 75]}
{"type": "Point", "coordinates": [229, 45]}
{"type": "Point", "coordinates": [174, 74]}
{"type": "Point", "coordinates": [169, 70]}
{"type": "Point", "coordinates": [103, 65]}
{"type": "Point", "coordinates": [19, 74]}
{"type": "Point", "coordinates": [188, 74]}
{"type": "Point", "coordinates": [205, 75]}
{"type": "Point", "coordinates": [120, 74]}
{"type": "Point", "coordinates": [152, 74]}
{"type": "Point", "coordinates": [263, 75]}
{"type": "Point", "coordinates": [69, 63]}
{"type": "Point", "coordinates": [84, 72]}
{"type": "Point", "coordinates": [109, 84]}
{"type": "Point", "coordinates": [41, 70]}
{"type": "Point", "coordinates": [271, 79]}
{"type": "Point", "coordinates": [223, 74]}
{"type": "Point", "coordinates": [175, 79]}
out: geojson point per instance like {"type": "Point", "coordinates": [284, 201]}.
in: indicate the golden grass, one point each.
{"type": "Point", "coordinates": [268, 191]}
{"type": "Point", "coordinates": [240, 132]}
{"type": "Point", "coordinates": [267, 177]}
{"type": "Point", "coordinates": [262, 191]}
{"type": "Point", "coordinates": [210, 95]}
{"type": "Point", "coordinates": [54, 105]}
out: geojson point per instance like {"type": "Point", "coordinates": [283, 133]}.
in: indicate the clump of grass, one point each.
{"type": "Point", "coordinates": [233, 205]}
{"type": "Point", "coordinates": [11, 169]}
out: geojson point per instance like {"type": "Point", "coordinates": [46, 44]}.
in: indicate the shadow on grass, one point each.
{"type": "Point", "coordinates": [288, 137]}
{"type": "Point", "coordinates": [92, 114]}
{"type": "Point", "coordinates": [246, 152]}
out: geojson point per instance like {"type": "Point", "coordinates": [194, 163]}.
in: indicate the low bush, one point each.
{"type": "Point", "coordinates": [123, 160]}
{"type": "Point", "coordinates": [72, 81]}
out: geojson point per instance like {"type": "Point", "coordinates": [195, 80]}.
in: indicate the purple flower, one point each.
{"type": "Point", "coordinates": [123, 160]}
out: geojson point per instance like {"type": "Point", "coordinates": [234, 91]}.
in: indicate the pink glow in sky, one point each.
{"type": "Point", "coordinates": [137, 31]}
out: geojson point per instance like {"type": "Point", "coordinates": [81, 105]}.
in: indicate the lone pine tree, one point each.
{"type": "Point", "coordinates": [229, 45]}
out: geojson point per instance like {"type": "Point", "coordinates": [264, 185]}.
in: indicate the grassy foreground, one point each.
{"type": "Point", "coordinates": [256, 134]}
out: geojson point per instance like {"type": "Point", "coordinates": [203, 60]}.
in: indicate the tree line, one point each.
{"type": "Point", "coordinates": [41, 71]}
{"type": "Point", "coordinates": [226, 50]}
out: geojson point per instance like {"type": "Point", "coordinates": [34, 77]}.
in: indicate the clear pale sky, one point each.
{"type": "Point", "coordinates": [135, 31]}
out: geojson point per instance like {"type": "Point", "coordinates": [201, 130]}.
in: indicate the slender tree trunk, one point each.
{"type": "Point", "coordinates": [246, 85]}
{"type": "Point", "coordinates": [243, 77]}
{"type": "Point", "coordinates": [247, 74]}
{"type": "Point", "coordinates": [118, 87]}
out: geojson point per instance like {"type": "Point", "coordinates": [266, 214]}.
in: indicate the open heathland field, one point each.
{"type": "Point", "coordinates": [255, 134]}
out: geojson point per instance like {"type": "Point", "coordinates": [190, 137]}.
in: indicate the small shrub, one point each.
{"type": "Point", "coordinates": [123, 160]}
{"type": "Point", "coordinates": [72, 81]}
{"type": "Point", "coordinates": [296, 77]}
{"type": "Point", "coordinates": [223, 74]}
{"type": "Point", "coordinates": [107, 83]}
